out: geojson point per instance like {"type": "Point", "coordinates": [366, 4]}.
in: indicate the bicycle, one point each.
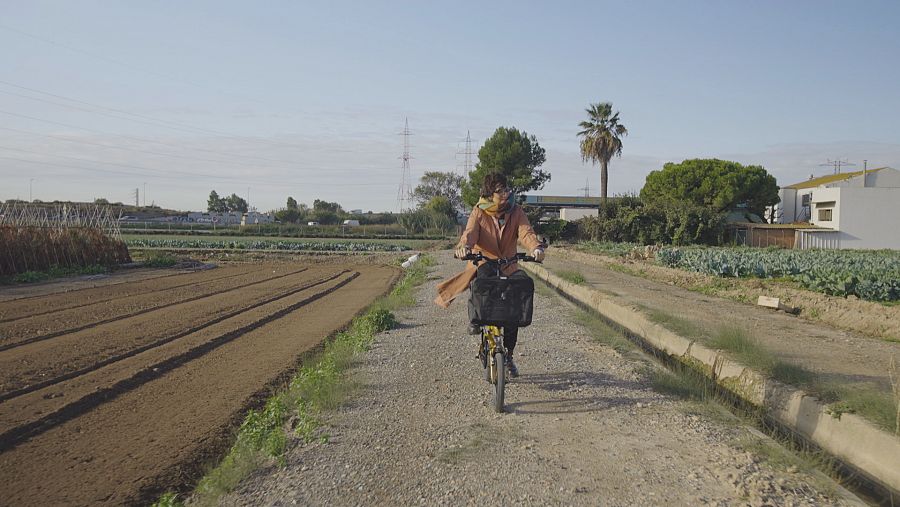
{"type": "Point", "coordinates": [491, 351]}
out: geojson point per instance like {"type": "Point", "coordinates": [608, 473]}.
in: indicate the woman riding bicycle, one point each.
{"type": "Point", "coordinates": [494, 227]}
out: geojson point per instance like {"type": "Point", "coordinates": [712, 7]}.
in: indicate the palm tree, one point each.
{"type": "Point", "coordinates": [601, 138]}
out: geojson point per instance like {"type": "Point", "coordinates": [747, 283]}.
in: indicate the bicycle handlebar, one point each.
{"type": "Point", "coordinates": [477, 257]}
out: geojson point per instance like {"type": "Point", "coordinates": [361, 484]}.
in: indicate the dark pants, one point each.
{"type": "Point", "coordinates": [510, 333]}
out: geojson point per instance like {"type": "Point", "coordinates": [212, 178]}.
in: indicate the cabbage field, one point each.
{"type": "Point", "coordinates": [257, 244]}
{"type": "Point", "coordinates": [868, 274]}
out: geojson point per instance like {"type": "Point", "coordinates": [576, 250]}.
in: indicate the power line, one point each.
{"type": "Point", "coordinates": [141, 140]}
{"type": "Point", "coordinates": [152, 121]}
{"type": "Point", "coordinates": [131, 166]}
{"type": "Point", "coordinates": [122, 148]}
{"type": "Point", "coordinates": [144, 119]}
{"type": "Point", "coordinates": [127, 65]}
{"type": "Point", "coordinates": [266, 182]}
{"type": "Point", "coordinates": [152, 152]}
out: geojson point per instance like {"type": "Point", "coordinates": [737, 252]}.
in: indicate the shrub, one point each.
{"type": "Point", "coordinates": [627, 219]}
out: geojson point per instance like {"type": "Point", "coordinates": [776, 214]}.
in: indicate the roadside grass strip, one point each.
{"type": "Point", "coordinates": [296, 411]}
{"type": "Point", "coordinates": [681, 326]}
{"type": "Point", "coordinates": [861, 399]}
{"type": "Point", "coordinates": [571, 276]}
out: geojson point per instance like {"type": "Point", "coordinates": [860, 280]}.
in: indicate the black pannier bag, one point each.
{"type": "Point", "coordinates": [502, 301]}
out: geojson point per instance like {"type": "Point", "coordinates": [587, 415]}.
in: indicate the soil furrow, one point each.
{"type": "Point", "coordinates": [15, 436]}
{"type": "Point", "coordinates": [130, 290]}
{"type": "Point", "coordinates": [121, 316]}
{"type": "Point", "coordinates": [61, 286]}
{"type": "Point", "coordinates": [133, 352]}
{"type": "Point", "coordinates": [37, 362]}
{"type": "Point", "coordinates": [161, 429]}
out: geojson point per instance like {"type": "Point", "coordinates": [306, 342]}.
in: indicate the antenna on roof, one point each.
{"type": "Point", "coordinates": [837, 164]}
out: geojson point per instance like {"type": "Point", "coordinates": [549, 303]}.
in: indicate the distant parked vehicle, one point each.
{"type": "Point", "coordinates": [351, 223]}
{"type": "Point", "coordinates": [312, 223]}
{"type": "Point", "coordinates": [127, 218]}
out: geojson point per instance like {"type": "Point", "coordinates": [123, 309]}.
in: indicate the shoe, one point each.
{"type": "Point", "coordinates": [474, 329]}
{"type": "Point", "coordinates": [511, 367]}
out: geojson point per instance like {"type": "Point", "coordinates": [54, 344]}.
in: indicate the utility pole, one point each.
{"type": "Point", "coordinates": [467, 155]}
{"type": "Point", "coordinates": [586, 188]}
{"type": "Point", "coordinates": [137, 200]}
{"type": "Point", "coordinates": [865, 170]}
{"type": "Point", "coordinates": [145, 194]}
{"type": "Point", "coordinates": [404, 192]}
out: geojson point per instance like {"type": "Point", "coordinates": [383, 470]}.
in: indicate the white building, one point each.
{"type": "Point", "coordinates": [572, 214]}
{"type": "Point", "coordinates": [255, 217]}
{"type": "Point", "coordinates": [848, 210]}
{"type": "Point", "coordinates": [230, 217]}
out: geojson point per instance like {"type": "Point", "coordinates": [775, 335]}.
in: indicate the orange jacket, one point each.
{"type": "Point", "coordinates": [483, 235]}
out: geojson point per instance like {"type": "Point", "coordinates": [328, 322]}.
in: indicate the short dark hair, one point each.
{"type": "Point", "coordinates": [491, 183]}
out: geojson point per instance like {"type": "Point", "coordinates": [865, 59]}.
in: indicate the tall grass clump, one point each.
{"type": "Point", "coordinates": [40, 249]}
{"type": "Point", "coordinates": [316, 387]}
{"type": "Point", "coordinates": [674, 323]}
{"type": "Point", "coordinates": [751, 353]}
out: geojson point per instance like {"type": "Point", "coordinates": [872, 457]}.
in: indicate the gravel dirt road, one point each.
{"type": "Point", "coordinates": [583, 427]}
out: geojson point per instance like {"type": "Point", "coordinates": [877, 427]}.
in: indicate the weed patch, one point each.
{"type": "Point", "coordinates": [160, 260]}
{"type": "Point", "coordinates": [571, 276]}
{"type": "Point", "coordinates": [876, 406]}
{"type": "Point", "coordinates": [51, 273]}
{"type": "Point", "coordinates": [168, 500]}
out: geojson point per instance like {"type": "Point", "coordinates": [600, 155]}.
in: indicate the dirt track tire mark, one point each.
{"type": "Point", "coordinates": [133, 352]}
{"type": "Point", "coordinates": [16, 436]}
{"type": "Point", "coordinates": [98, 301]}
{"type": "Point", "coordinates": [114, 318]}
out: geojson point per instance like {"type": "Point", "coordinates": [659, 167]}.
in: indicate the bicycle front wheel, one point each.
{"type": "Point", "coordinates": [500, 384]}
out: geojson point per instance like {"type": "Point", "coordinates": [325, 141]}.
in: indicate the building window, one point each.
{"type": "Point", "coordinates": [825, 215]}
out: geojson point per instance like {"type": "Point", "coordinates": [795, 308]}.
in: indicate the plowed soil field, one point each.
{"type": "Point", "coordinates": [111, 394]}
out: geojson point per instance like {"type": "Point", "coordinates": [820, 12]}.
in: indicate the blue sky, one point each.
{"type": "Point", "coordinates": [307, 98]}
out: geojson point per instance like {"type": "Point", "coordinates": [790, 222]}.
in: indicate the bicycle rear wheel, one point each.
{"type": "Point", "coordinates": [500, 384]}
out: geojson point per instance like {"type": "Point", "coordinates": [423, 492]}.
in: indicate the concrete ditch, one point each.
{"type": "Point", "coordinates": [869, 451]}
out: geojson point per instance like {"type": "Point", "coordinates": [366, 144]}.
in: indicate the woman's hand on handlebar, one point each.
{"type": "Point", "coordinates": [461, 252]}
{"type": "Point", "coordinates": [538, 255]}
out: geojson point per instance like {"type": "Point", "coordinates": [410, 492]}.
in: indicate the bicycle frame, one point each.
{"type": "Point", "coordinates": [491, 343]}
